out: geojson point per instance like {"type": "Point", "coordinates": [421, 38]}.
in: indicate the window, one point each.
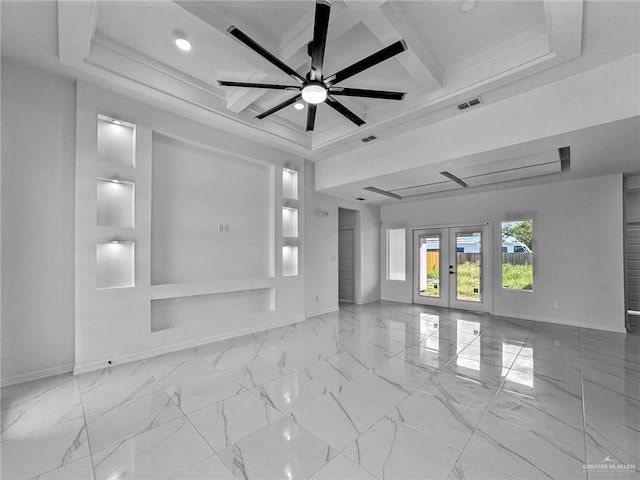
{"type": "Point", "coordinates": [396, 254]}
{"type": "Point", "coordinates": [517, 255]}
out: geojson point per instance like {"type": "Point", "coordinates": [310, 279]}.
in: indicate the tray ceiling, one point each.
{"type": "Point", "coordinates": [452, 54]}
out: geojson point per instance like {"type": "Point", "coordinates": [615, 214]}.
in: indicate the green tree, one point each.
{"type": "Point", "coordinates": [521, 231]}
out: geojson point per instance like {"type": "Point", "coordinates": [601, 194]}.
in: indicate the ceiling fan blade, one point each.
{"type": "Point", "coordinates": [372, 60]}
{"type": "Point", "coordinates": [224, 83]}
{"type": "Point", "coordinates": [236, 32]}
{"type": "Point", "coordinates": [340, 108]}
{"type": "Point", "coordinates": [311, 117]}
{"type": "Point", "coordinates": [321, 25]}
{"type": "Point", "coordinates": [359, 92]}
{"type": "Point", "coordinates": [280, 106]}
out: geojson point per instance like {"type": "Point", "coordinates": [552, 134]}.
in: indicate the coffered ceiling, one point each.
{"type": "Point", "coordinates": [458, 50]}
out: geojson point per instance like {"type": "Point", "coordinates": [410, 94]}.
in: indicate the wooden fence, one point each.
{"type": "Point", "coordinates": [433, 258]}
{"type": "Point", "coordinates": [516, 258]}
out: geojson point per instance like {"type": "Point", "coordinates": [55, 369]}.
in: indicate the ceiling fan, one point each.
{"type": "Point", "coordinates": [317, 87]}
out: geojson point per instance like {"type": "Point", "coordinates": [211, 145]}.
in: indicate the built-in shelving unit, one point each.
{"type": "Point", "coordinates": [183, 236]}
{"type": "Point", "coordinates": [289, 222]}
{"type": "Point", "coordinates": [115, 203]}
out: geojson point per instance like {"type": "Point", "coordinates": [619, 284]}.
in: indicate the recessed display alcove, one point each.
{"type": "Point", "coordinates": [115, 264]}
{"type": "Point", "coordinates": [116, 141]}
{"type": "Point", "coordinates": [115, 203]}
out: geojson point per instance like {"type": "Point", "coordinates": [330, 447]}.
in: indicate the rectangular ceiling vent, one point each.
{"type": "Point", "coordinates": [470, 103]}
{"type": "Point", "coordinates": [369, 138]}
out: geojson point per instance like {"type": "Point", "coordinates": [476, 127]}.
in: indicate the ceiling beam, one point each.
{"type": "Point", "coordinates": [387, 26]}
{"type": "Point", "coordinates": [76, 28]}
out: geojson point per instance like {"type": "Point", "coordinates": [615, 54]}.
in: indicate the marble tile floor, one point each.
{"type": "Point", "coordinates": [376, 391]}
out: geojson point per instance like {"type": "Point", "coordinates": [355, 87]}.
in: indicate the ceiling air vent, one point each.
{"type": "Point", "coordinates": [470, 103]}
{"type": "Point", "coordinates": [369, 138]}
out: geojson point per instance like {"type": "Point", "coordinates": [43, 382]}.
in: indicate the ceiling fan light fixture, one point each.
{"type": "Point", "coordinates": [314, 93]}
{"type": "Point", "coordinates": [183, 44]}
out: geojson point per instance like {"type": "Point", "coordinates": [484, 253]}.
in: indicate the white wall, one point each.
{"type": "Point", "coordinates": [321, 233]}
{"type": "Point", "coordinates": [38, 155]}
{"type": "Point", "coordinates": [577, 247]}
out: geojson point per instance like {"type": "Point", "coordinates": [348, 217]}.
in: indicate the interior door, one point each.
{"type": "Point", "coordinates": [346, 264]}
{"type": "Point", "coordinates": [452, 267]}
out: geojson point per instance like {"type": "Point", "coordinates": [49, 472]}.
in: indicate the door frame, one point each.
{"type": "Point", "coordinates": [487, 286]}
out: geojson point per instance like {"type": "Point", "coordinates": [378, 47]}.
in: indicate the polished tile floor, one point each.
{"type": "Point", "coordinates": [378, 391]}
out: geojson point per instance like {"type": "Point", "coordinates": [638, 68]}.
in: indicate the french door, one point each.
{"type": "Point", "coordinates": [452, 267]}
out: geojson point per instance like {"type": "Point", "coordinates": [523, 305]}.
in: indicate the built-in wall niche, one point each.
{"type": "Point", "coordinates": [230, 309]}
{"type": "Point", "coordinates": [211, 214]}
{"type": "Point", "coordinates": [115, 262]}
{"type": "Point", "coordinates": [115, 206]}
{"type": "Point", "coordinates": [116, 141]}
{"type": "Point", "coordinates": [289, 260]}
{"type": "Point", "coordinates": [289, 222]}
{"type": "Point", "coordinates": [289, 184]}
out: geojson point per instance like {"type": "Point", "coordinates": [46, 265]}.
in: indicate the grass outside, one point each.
{"type": "Point", "coordinates": [517, 277]}
{"type": "Point", "coordinates": [468, 275]}
{"type": "Point", "coordinates": [468, 280]}
{"type": "Point", "coordinates": [433, 283]}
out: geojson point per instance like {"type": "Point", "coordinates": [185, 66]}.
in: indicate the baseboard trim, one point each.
{"type": "Point", "coordinates": [37, 375]}
{"type": "Point", "coordinates": [132, 357]}
{"type": "Point", "coordinates": [557, 322]}
{"type": "Point", "coordinates": [322, 312]}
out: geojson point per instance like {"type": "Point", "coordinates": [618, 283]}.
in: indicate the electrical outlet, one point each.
{"type": "Point", "coordinates": [556, 304]}
{"type": "Point", "coordinates": [226, 227]}
{"type": "Point", "coordinates": [317, 299]}
{"type": "Point", "coordinates": [220, 227]}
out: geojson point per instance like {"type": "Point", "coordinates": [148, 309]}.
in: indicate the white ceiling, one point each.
{"type": "Point", "coordinates": [496, 50]}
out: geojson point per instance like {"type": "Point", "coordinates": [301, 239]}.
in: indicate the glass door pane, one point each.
{"type": "Point", "coordinates": [430, 265]}
{"type": "Point", "coordinates": [430, 280]}
{"type": "Point", "coordinates": [468, 248]}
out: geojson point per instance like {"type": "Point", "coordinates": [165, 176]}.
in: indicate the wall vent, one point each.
{"type": "Point", "coordinates": [369, 138]}
{"type": "Point", "coordinates": [470, 103]}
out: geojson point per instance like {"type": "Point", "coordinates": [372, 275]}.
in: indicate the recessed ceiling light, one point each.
{"type": "Point", "coordinates": [298, 106]}
{"type": "Point", "coordinates": [183, 44]}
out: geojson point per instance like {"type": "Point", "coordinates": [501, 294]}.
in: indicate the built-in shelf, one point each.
{"type": "Point", "coordinates": [289, 222]}
{"type": "Point", "coordinates": [289, 260]}
{"type": "Point", "coordinates": [191, 289]}
{"type": "Point", "coordinates": [289, 184]}
{"type": "Point", "coordinates": [115, 264]}
{"type": "Point", "coordinates": [116, 141]}
{"type": "Point", "coordinates": [115, 205]}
